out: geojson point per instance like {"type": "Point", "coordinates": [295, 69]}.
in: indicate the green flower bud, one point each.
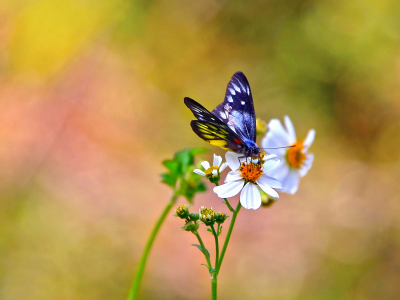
{"type": "Point", "coordinates": [182, 212]}
{"type": "Point", "coordinates": [266, 200]}
{"type": "Point", "coordinates": [194, 216]}
{"type": "Point", "coordinates": [191, 226]}
{"type": "Point", "coordinates": [220, 217]}
{"type": "Point", "coordinates": [207, 215]}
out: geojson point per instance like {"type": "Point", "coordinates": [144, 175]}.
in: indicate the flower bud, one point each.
{"type": "Point", "coordinates": [261, 127]}
{"type": "Point", "coordinates": [194, 216]}
{"type": "Point", "coordinates": [191, 226]}
{"type": "Point", "coordinates": [207, 215]}
{"type": "Point", "coordinates": [182, 212]}
{"type": "Point", "coordinates": [220, 217]}
{"type": "Point", "coordinates": [266, 200]}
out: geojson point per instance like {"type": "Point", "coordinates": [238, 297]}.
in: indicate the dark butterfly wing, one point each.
{"type": "Point", "coordinates": [200, 112]}
{"type": "Point", "coordinates": [218, 135]}
{"type": "Point", "coordinates": [211, 129]}
{"type": "Point", "coordinates": [237, 110]}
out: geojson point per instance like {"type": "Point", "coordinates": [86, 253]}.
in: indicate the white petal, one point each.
{"type": "Point", "coordinates": [307, 164]}
{"type": "Point", "coordinates": [233, 176]}
{"type": "Point", "coordinates": [250, 197]}
{"type": "Point", "coordinates": [282, 136]}
{"type": "Point", "coordinates": [267, 189]}
{"type": "Point", "coordinates": [223, 167]}
{"type": "Point", "coordinates": [271, 163]}
{"type": "Point", "coordinates": [217, 160]}
{"type": "Point", "coordinates": [290, 129]}
{"type": "Point", "coordinates": [291, 182]}
{"type": "Point", "coordinates": [271, 157]}
{"type": "Point", "coordinates": [215, 172]}
{"type": "Point", "coordinates": [233, 160]}
{"type": "Point", "coordinates": [229, 189]}
{"type": "Point", "coordinates": [205, 164]}
{"type": "Point", "coordinates": [309, 138]}
{"type": "Point", "coordinates": [272, 182]}
{"type": "Point", "coordinates": [280, 171]}
{"type": "Point", "coordinates": [270, 141]}
{"type": "Point", "coordinates": [200, 172]}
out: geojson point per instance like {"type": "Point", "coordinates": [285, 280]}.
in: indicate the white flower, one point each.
{"type": "Point", "coordinates": [295, 161]}
{"type": "Point", "coordinates": [214, 170]}
{"type": "Point", "coordinates": [247, 176]}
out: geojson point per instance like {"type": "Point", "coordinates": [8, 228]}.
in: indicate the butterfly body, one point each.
{"type": "Point", "coordinates": [232, 124]}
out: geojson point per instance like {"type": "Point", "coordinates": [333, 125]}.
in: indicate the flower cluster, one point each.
{"type": "Point", "coordinates": [206, 215]}
{"type": "Point", "coordinates": [258, 179]}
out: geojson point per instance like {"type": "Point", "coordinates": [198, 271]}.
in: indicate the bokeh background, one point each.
{"type": "Point", "coordinates": [91, 102]}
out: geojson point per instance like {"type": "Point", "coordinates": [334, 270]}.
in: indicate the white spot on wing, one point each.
{"type": "Point", "coordinates": [232, 91]}
{"type": "Point", "coordinates": [243, 88]}
{"type": "Point", "coordinates": [248, 91]}
{"type": "Point", "coordinates": [235, 87]}
{"type": "Point", "coordinates": [229, 98]}
{"type": "Point", "coordinates": [242, 102]}
{"type": "Point", "coordinates": [222, 114]}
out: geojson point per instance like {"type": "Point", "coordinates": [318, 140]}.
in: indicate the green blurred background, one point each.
{"type": "Point", "coordinates": [91, 102]}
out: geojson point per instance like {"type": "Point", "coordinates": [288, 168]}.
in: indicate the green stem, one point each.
{"type": "Point", "coordinates": [215, 274]}
{"type": "Point", "coordinates": [216, 246]}
{"type": "Point", "coordinates": [142, 263]}
{"type": "Point", "coordinates": [214, 287]}
{"type": "Point", "coordinates": [204, 249]}
{"type": "Point", "coordinates": [226, 201]}
{"type": "Point", "coordinates": [228, 236]}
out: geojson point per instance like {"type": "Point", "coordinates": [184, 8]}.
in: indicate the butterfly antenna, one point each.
{"type": "Point", "coordinates": [280, 147]}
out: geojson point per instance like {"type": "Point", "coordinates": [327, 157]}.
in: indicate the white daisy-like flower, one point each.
{"type": "Point", "coordinates": [214, 170]}
{"type": "Point", "coordinates": [295, 161]}
{"type": "Point", "coordinates": [247, 177]}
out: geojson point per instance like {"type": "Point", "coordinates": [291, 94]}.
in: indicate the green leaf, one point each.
{"type": "Point", "coordinates": [169, 179]}
{"type": "Point", "coordinates": [197, 151]}
{"type": "Point", "coordinates": [205, 265]}
{"type": "Point", "coordinates": [173, 166]}
{"type": "Point", "coordinates": [184, 158]}
{"type": "Point", "coordinates": [211, 270]}
{"type": "Point", "coordinates": [201, 249]}
{"type": "Point", "coordinates": [200, 187]}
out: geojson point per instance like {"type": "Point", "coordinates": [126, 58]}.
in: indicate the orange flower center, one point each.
{"type": "Point", "coordinates": [251, 171]}
{"type": "Point", "coordinates": [295, 155]}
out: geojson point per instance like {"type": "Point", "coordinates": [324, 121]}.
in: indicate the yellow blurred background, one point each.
{"type": "Point", "coordinates": [91, 102]}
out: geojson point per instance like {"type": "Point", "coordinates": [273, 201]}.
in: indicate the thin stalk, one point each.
{"type": "Point", "coordinates": [214, 287]}
{"type": "Point", "coordinates": [142, 263]}
{"type": "Point", "coordinates": [216, 246]}
{"type": "Point", "coordinates": [226, 201]}
{"type": "Point", "coordinates": [204, 249]}
{"type": "Point", "coordinates": [215, 273]}
{"type": "Point", "coordinates": [228, 236]}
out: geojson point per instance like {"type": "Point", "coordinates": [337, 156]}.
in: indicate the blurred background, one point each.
{"type": "Point", "coordinates": [91, 102]}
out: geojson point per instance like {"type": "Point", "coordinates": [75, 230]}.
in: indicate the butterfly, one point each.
{"type": "Point", "coordinates": [232, 124]}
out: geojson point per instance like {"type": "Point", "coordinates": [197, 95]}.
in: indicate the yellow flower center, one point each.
{"type": "Point", "coordinates": [251, 171]}
{"type": "Point", "coordinates": [209, 171]}
{"type": "Point", "coordinates": [207, 214]}
{"type": "Point", "coordinates": [295, 155]}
